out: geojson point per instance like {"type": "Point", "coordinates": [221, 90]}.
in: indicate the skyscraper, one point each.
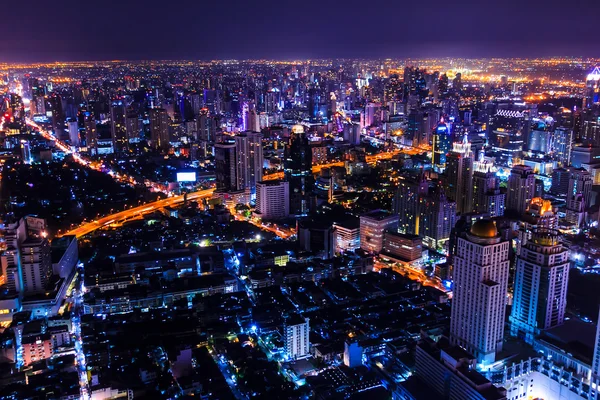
{"type": "Point", "coordinates": [579, 195]}
{"type": "Point", "coordinates": [91, 133]}
{"type": "Point", "coordinates": [592, 94]}
{"type": "Point", "coordinates": [249, 153]}
{"type": "Point", "coordinates": [441, 145]}
{"type": "Point", "coordinates": [480, 286]}
{"type": "Point", "coordinates": [521, 188]}
{"type": "Point", "coordinates": [459, 172]}
{"type": "Point", "coordinates": [487, 197]}
{"type": "Point", "coordinates": [118, 130]}
{"type": "Point", "coordinates": [298, 171]}
{"type": "Point", "coordinates": [540, 288]}
{"type": "Point", "coordinates": [226, 168]}
{"type": "Point", "coordinates": [159, 128]}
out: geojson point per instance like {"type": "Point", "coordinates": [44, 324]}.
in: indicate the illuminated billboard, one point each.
{"type": "Point", "coordinates": [186, 177]}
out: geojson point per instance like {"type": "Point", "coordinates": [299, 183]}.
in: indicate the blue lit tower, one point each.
{"type": "Point", "coordinates": [592, 95]}
{"type": "Point", "coordinates": [442, 142]}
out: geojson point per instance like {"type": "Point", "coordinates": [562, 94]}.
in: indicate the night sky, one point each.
{"type": "Point", "coordinates": [44, 30]}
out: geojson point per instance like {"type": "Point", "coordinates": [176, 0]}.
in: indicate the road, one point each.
{"type": "Point", "coordinates": [134, 212]}
{"type": "Point", "coordinates": [227, 373]}
{"type": "Point", "coordinates": [76, 322]}
{"type": "Point", "coordinates": [414, 274]}
{"type": "Point", "coordinates": [95, 165]}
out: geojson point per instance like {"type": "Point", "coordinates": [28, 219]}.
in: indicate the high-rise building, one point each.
{"type": "Point", "coordinates": [592, 94]}
{"type": "Point", "coordinates": [560, 181]}
{"type": "Point", "coordinates": [372, 227]}
{"type": "Point", "coordinates": [118, 130]}
{"type": "Point", "coordinates": [407, 201]}
{"type": "Point", "coordinates": [459, 172]}
{"type": "Point", "coordinates": [437, 215]}
{"type": "Point", "coordinates": [481, 267]}
{"type": "Point", "coordinates": [507, 130]}
{"type": "Point", "coordinates": [441, 145]}
{"type": "Point", "coordinates": [562, 145]}
{"type": "Point", "coordinates": [226, 168]}
{"type": "Point", "coordinates": [298, 171]}
{"type": "Point", "coordinates": [249, 152]}
{"type": "Point", "coordinates": [132, 126]}
{"type": "Point", "coordinates": [540, 287]}
{"type": "Point", "coordinates": [317, 237]}
{"type": "Point", "coordinates": [487, 197]}
{"type": "Point", "coordinates": [272, 199]}
{"type": "Point", "coordinates": [91, 133]}
{"type": "Point", "coordinates": [353, 354]}
{"type": "Point", "coordinates": [73, 128]}
{"type": "Point", "coordinates": [352, 133]}
{"type": "Point", "coordinates": [521, 188]}
{"type": "Point", "coordinates": [580, 182]}
{"type": "Point", "coordinates": [36, 264]}
{"type": "Point", "coordinates": [296, 331]}
{"type": "Point", "coordinates": [159, 128]}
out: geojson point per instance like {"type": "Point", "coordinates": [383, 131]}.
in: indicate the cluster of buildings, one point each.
{"type": "Point", "coordinates": [375, 228]}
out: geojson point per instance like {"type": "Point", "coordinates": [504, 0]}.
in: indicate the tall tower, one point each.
{"type": "Point", "coordinates": [118, 130]}
{"type": "Point", "coordinates": [480, 286]}
{"type": "Point", "coordinates": [298, 171]}
{"type": "Point", "coordinates": [487, 197]}
{"type": "Point", "coordinates": [249, 154]}
{"type": "Point", "coordinates": [592, 95]}
{"type": "Point", "coordinates": [159, 128]}
{"type": "Point", "coordinates": [226, 168]}
{"type": "Point", "coordinates": [521, 188]}
{"type": "Point", "coordinates": [540, 289]}
{"type": "Point", "coordinates": [459, 170]}
{"type": "Point", "coordinates": [91, 133]}
{"type": "Point", "coordinates": [441, 145]}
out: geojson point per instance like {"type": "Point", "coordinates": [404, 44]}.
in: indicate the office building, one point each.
{"type": "Point", "coordinates": [159, 128]}
{"type": "Point", "coordinates": [402, 247]}
{"type": "Point", "coordinates": [459, 173]}
{"type": "Point", "coordinates": [347, 235]}
{"type": "Point", "coordinates": [353, 354]}
{"type": "Point", "coordinates": [249, 153]}
{"type": "Point", "coordinates": [91, 133]}
{"type": "Point", "coordinates": [407, 201]}
{"type": "Point", "coordinates": [540, 287]}
{"type": "Point", "coordinates": [226, 167]}
{"type": "Point", "coordinates": [372, 228]}
{"type": "Point", "coordinates": [560, 181]}
{"type": "Point", "coordinates": [521, 188]}
{"type": "Point", "coordinates": [272, 199]}
{"type": "Point", "coordinates": [296, 331]}
{"type": "Point", "coordinates": [73, 129]}
{"type": "Point", "coordinates": [562, 145]}
{"type": "Point", "coordinates": [298, 171]}
{"type": "Point", "coordinates": [487, 197]}
{"type": "Point", "coordinates": [316, 237]}
{"type": "Point", "coordinates": [444, 371]}
{"type": "Point", "coordinates": [442, 142]}
{"type": "Point", "coordinates": [132, 126]}
{"type": "Point", "coordinates": [480, 276]}
{"type": "Point", "coordinates": [118, 129]}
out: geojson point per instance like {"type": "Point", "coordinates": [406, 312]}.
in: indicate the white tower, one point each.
{"type": "Point", "coordinates": [480, 285]}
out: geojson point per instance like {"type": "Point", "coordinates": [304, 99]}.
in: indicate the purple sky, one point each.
{"type": "Point", "coordinates": [43, 30]}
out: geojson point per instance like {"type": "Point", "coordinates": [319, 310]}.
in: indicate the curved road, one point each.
{"type": "Point", "coordinates": [89, 227]}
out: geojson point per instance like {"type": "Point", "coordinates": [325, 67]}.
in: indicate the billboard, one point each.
{"type": "Point", "coordinates": [186, 177]}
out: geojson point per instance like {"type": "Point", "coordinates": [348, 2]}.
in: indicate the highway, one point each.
{"type": "Point", "coordinates": [414, 274]}
{"type": "Point", "coordinates": [134, 212]}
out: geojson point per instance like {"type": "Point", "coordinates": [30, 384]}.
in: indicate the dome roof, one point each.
{"type": "Point", "coordinates": [298, 128]}
{"type": "Point", "coordinates": [484, 228]}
